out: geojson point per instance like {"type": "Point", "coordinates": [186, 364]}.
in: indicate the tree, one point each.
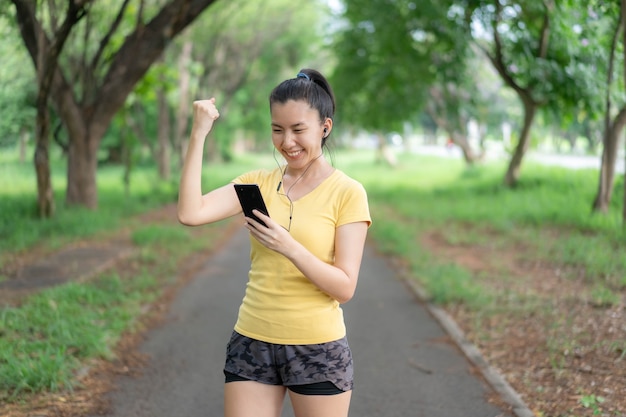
{"type": "Point", "coordinates": [17, 101]}
{"type": "Point", "coordinates": [384, 68]}
{"type": "Point", "coordinates": [395, 51]}
{"type": "Point", "coordinates": [399, 58]}
{"type": "Point", "coordinates": [532, 46]}
{"type": "Point", "coordinates": [455, 101]}
{"type": "Point", "coordinates": [238, 53]}
{"type": "Point", "coordinates": [146, 118]}
{"type": "Point", "coordinates": [45, 57]}
{"type": "Point", "coordinates": [89, 83]}
{"type": "Point", "coordinates": [614, 119]}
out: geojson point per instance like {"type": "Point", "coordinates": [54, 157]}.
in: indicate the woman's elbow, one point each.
{"type": "Point", "coordinates": [186, 219]}
{"type": "Point", "coordinates": [345, 296]}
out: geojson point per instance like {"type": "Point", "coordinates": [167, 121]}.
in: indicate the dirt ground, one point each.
{"type": "Point", "coordinates": [563, 354]}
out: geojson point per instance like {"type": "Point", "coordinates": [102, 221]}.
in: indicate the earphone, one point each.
{"type": "Point", "coordinates": [280, 183]}
{"type": "Point", "coordinates": [325, 132]}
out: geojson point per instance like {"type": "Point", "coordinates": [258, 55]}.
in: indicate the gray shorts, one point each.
{"type": "Point", "coordinates": [290, 365]}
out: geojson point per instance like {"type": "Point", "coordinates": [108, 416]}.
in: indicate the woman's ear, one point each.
{"type": "Point", "coordinates": [328, 126]}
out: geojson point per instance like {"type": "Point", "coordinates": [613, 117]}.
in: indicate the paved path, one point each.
{"type": "Point", "coordinates": [405, 364]}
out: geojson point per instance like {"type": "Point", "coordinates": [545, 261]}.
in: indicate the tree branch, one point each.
{"type": "Point", "coordinates": [140, 50]}
{"type": "Point", "coordinates": [105, 40]}
{"type": "Point", "coordinates": [544, 34]}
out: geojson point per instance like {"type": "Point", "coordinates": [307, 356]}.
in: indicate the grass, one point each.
{"type": "Point", "coordinates": [44, 341]}
{"type": "Point", "coordinates": [471, 206]}
{"type": "Point", "coordinates": [545, 220]}
{"type": "Point", "coordinates": [20, 228]}
{"type": "Point", "coordinates": [54, 333]}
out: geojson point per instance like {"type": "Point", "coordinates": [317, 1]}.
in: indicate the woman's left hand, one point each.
{"type": "Point", "coordinates": [274, 236]}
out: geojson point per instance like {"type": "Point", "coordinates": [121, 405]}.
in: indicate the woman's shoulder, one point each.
{"type": "Point", "coordinates": [343, 180]}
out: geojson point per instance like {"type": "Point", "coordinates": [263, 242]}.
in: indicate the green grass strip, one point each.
{"type": "Point", "coordinates": [44, 341]}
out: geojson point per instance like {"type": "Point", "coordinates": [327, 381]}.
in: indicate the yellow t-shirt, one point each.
{"type": "Point", "coordinates": [280, 304]}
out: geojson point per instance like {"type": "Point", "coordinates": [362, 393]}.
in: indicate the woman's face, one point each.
{"type": "Point", "coordinates": [297, 132]}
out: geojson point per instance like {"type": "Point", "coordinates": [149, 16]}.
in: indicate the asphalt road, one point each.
{"type": "Point", "coordinates": [405, 363]}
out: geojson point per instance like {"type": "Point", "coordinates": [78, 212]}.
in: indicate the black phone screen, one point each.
{"type": "Point", "coordinates": [250, 198]}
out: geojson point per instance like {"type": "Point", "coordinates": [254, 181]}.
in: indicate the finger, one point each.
{"type": "Point", "coordinates": [261, 215]}
{"type": "Point", "coordinates": [254, 223]}
{"type": "Point", "coordinates": [208, 107]}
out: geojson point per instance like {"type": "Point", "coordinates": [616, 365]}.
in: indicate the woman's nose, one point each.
{"type": "Point", "coordinates": [288, 138]}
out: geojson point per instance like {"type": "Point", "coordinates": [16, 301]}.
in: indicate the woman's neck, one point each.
{"type": "Point", "coordinates": [308, 177]}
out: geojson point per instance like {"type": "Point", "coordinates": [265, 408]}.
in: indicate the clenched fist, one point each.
{"type": "Point", "coordinates": [204, 114]}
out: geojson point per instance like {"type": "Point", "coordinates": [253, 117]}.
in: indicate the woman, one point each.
{"type": "Point", "coordinates": [290, 334]}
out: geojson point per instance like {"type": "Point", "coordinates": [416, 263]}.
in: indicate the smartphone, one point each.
{"type": "Point", "coordinates": [250, 198]}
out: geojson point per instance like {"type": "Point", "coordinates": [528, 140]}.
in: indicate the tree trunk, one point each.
{"type": "Point", "coordinates": [82, 164]}
{"type": "Point", "coordinates": [624, 202]}
{"type": "Point", "coordinates": [603, 196]}
{"type": "Point", "coordinates": [23, 141]}
{"type": "Point", "coordinates": [211, 151]}
{"type": "Point", "coordinates": [383, 153]}
{"type": "Point", "coordinates": [163, 134]}
{"type": "Point", "coordinates": [612, 129]}
{"type": "Point", "coordinates": [87, 117]}
{"type": "Point", "coordinates": [515, 164]}
{"type": "Point", "coordinates": [45, 196]}
{"type": "Point", "coordinates": [623, 19]}
{"type": "Point", "coordinates": [457, 135]}
{"type": "Point", "coordinates": [609, 157]}
{"type": "Point", "coordinates": [461, 141]}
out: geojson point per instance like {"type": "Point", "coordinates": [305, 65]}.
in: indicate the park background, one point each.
{"type": "Point", "coordinates": [447, 112]}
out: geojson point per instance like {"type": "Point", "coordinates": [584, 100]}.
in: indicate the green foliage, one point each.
{"type": "Point", "coordinates": [18, 91]}
{"type": "Point", "coordinates": [557, 51]}
{"type": "Point", "coordinates": [593, 402]}
{"type": "Point", "coordinates": [160, 234]}
{"type": "Point", "coordinates": [602, 296]}
{"type": "Point", "coordinates": [397, 58]}
{"type": "Point", "coordinates": [174, 237]}
{"type": "Point", "coordinates": [53, 334]}
{"type": "Point", "coordinates": [449, 283]}
{"type": "Point", "coordinates": [389, 54]}
{"type": "Point", "coordinates": [44, 341]}
{"type": "Point", "coordinates": [244, 49]}
{"type": "Point", "coordinates": [240, 51]}
{"type": "Point", "coordinates": [20, 227]}
{"type": "Point", "coordinates": [429, 194]}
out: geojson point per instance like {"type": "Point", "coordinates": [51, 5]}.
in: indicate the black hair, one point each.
{"type": "Point", "coordinates": [311, 86]}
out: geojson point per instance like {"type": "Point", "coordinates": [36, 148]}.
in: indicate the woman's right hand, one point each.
{"type": "Point", "coordinates": [204, 114]}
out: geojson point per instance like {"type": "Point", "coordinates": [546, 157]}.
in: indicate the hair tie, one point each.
{"type": "Point", "coordinates": [303, 75]}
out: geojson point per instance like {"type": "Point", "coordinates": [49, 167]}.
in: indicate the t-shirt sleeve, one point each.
{"type": "Point", "coordinates": [251, 177]}
{"type": "Point", "coordinates": [354, 206]}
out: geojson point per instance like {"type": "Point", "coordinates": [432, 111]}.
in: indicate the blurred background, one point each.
{"type": "Point", "coordinates": [489, 135]}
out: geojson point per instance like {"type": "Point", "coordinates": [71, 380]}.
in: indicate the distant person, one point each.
{"type": "Point", "coordinates": [449, 144]}
{"type": "Point", "coordinates": [290, 335]}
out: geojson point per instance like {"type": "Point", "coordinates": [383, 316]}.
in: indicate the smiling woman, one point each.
{"type": "Point", "coordinates": [290, 334]}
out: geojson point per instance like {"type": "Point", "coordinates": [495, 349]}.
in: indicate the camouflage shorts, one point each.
{"type": "Point", "coordinates": [290, 364]}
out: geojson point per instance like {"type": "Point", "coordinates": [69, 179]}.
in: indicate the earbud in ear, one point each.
{"type": "Point", "coordinates": [325, 132]}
